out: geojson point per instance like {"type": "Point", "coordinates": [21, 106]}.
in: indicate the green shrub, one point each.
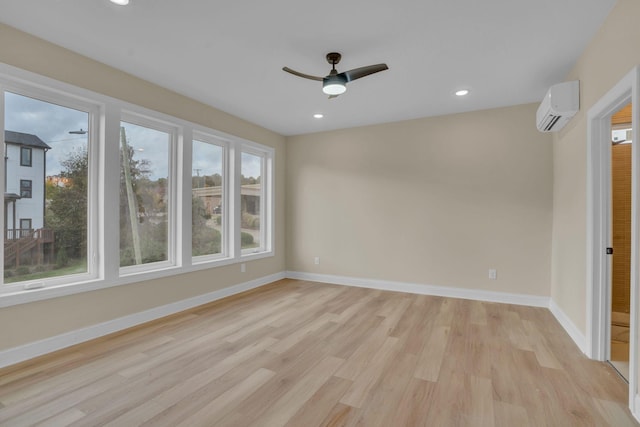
{"type": "Point", "coordinates": [246, 239]}
{"type": "Point", "coordinates": [206, 241]}
{"type": "Point", "coordinates": [219, 220]}
{"type": "Point", "coordinates": [250, 221]}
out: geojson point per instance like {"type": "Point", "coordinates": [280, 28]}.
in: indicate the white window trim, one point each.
{"type": "Point", "coordinates": [104, 261]}
{"type": "Point", "coordinates": [266, 199]}
{"type": "Point", "coordinates": [94, 109]}
{"type": "Point", "coordinates": [173, 182]}
{"type": "Point", "coordinates": [226, 230]}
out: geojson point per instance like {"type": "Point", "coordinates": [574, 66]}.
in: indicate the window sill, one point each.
{"type": "Point", "coordinates": [16, 296]}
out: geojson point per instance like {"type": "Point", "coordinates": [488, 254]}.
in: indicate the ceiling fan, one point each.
{"type": "Point", "coordinates": [335, 83]}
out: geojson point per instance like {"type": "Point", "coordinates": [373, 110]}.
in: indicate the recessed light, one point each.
{"type": "Point", "coordinates": [462, 92]}
{"type": "Point", "coordinates": [120, 2]}
{"type": "Point", "coordinates": [318, 116]}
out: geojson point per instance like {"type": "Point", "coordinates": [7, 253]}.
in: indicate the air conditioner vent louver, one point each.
{"type": "Point", "coordinates": [559, 105]}
{"type": "Point", "coordinates": [550, 123]}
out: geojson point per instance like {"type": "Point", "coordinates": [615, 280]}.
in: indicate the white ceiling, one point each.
{"type": "Point", "coordinates": [230, 53]}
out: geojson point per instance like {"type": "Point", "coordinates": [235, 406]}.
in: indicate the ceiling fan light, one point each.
{"type": "Point", "coordinates": [120, 2]}
{"type": "Point", "coordinates": [334, 85]}
{"type": "Point", "coordinates": [334, 89]}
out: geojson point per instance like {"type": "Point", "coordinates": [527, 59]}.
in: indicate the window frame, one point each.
{"type": "Point", "coordinates": [26, 188]}
{"type": "Point", "coordinates": [224, 254]}
{"type": "Point", "coordinates": [105, 115]}
{"type": "Point", "coordinates": [30, 223]}
{"type": "Point", "coordinates": [266, 199]}
{"type": "Point", "coordinates": [29, 150]}
{"type": "Point", "coordinates": [172, 130]}
{"type": "Point", "coordinates": [31, 85]}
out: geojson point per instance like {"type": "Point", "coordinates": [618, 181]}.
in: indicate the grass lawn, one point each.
{"type": "Point", "coordinates": [75, 267]}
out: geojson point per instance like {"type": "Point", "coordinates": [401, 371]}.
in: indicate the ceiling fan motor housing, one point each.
{"type": "Point", "coordinates": [333, 58]}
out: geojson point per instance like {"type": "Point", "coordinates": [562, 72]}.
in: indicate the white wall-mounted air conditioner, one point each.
{"type": "Point", "coordinates": [559, 105]}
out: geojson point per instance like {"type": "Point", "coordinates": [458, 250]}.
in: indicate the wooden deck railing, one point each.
{"type": "Point", "coordinates": [19, 241]}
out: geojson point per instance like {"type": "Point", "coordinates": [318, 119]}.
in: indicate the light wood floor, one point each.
{"type": "Point", "coordinates": [307, 354]}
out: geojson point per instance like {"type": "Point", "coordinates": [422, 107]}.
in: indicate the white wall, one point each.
{"type": "Point", "coordinates": [436, 201]}
{"type": "Point", "coordinates": [611, 55]}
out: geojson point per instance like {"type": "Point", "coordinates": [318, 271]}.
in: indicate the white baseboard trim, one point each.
{"type": "Point", "coordinates": [38, 348]}
{"type": "Point", "coordinates": [414, 288]}
{"type": "Point", "coordinates": [571, 329]}
{"type": "Point", "coordinates": [464, 293]}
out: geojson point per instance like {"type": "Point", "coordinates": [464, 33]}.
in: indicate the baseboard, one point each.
{"type": "Point", "coordinates": [38, 348]}
{"type": "Point", "coordinates": [464, 293]}
{"type": "Point", "coordinates": [571, 329]}
{"type": "Point", "coordinates": [414, 288]}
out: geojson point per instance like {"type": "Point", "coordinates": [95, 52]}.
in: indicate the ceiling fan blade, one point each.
{"type": "Point", "coordinates": [333, 96]}
{"type": "Point", "coordinates": [299, 74]}
{"type": "Point", "coordinates": [357, 73]}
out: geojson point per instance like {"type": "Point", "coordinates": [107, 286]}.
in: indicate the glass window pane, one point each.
{"type": "Point", "coordinates": [25, 156]}
{"type": "Point", "coordinates": [207, 196]}
{"type": "Point", "coordinates": [250, 196]}
{"type": "Point", "coordinates": [144, 197]}
{"type": "Point", "coordinates": [45, 227]}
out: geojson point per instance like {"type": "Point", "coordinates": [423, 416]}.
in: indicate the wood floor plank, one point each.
{"type": "Point", "coordinates": [432, 355]}
{"type": "Point", "coordinates": [366, 380]}
{"type": "Point", "coordinates": [64, 418]}
{"type": "Point", "coordinates": [341, 415]}
{"type": "Point", "coordinates": [187, 386]}
{"type": "Point", "coordinates": [481, 412]}
{"type": "Point", "coordinates": [508, 415]}
{"type": "Point", "coordinates": [388, 392]}
{"type": "Point", "coordinates": [415, 403]}
{"type": "Point", "coordinates": [295, 398]}
{"type": "Point", "coordinates": [320, 404]}
{"type": "Point", "coordinates": [614, 413]}
{"type": "Point", "coordinates": [299, 353]}
{"type": "Point", "coordinates": [229, 400]}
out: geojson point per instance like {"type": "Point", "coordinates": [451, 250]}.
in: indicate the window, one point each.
{"type": "Point", "coordinates": [25, 188]}
{"type": "Point", "coordinates": [25, 224]}
{"type": "Point", "coordinates": [144, 193]}
{"type": "Point", "coordinates": [250, 197]}
{"type": "Point", "coordinates": [25, 156]}
{"type": "Point", "coordinates": [207, 198]}
{"type": "Point", "coordinates": [50, 204]}
{"type": "Point", "coordinates": [106, 185]}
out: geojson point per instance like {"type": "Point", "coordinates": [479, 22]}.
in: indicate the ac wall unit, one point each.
{"type": "Point", "coordinates": [559, 105]}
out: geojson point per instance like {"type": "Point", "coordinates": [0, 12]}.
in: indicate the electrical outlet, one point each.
{"type": "Point", "coordinates": [493, 274]}
{"type": "Point", "coordinates": [316, 260]}
{"type": "Point", "coordinates": [243, 268]}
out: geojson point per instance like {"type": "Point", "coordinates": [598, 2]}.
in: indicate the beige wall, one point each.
{"type": "Point", "coordinates": [433, 201]}
{"type": "Point", "coordinates": [34, 321]}
{"type": "Point", "coordinates": [611, 54]}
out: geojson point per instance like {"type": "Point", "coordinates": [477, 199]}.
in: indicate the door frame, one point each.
{"type": "Point", "coordinates": [599, 228]}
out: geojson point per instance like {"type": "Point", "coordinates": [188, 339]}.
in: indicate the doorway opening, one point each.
{"type": "Point", "coordinates": [599, 227]}
{"type": "Point", "coordinates": [621, 169]}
